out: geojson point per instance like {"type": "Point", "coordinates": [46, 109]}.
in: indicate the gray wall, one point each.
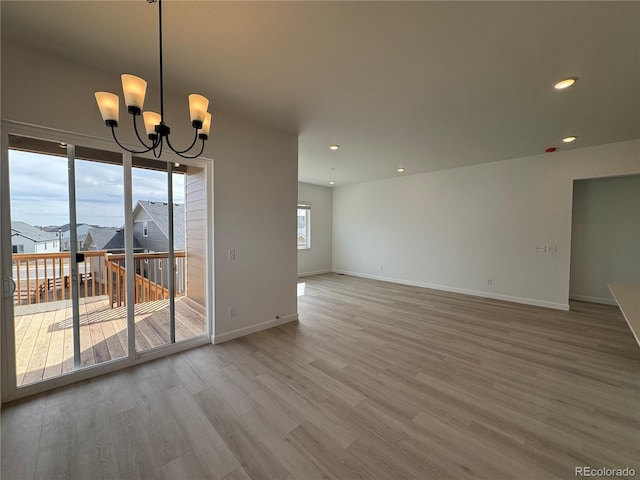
{"type": "Point", "coordinates": [605, 240]}
{"type": "Point", "coordinates": [317, 259]}
{"type": "Point", "coordinates": [455, 229]}
{"type": "Point", "coordinates": [155, 241]}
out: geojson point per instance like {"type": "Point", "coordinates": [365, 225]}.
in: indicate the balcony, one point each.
{"type": "Point", "coordinates": [43, 309]}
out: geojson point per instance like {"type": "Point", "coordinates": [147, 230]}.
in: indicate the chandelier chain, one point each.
{"type": "Point", "coordinates": [155, 126]}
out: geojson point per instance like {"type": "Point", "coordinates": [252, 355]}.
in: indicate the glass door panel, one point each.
{"type": "Point", "coordinates": [62, 241]}
{"type": "Point", "coordinates": [151, 241]}
{"type": "Point", "coordinates": [41, 269]}
{"type": "Point", "coordinates": [101, 276]}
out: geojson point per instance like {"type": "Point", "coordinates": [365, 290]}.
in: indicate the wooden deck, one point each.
{"type": "Point", "coordinates": [44, 333]}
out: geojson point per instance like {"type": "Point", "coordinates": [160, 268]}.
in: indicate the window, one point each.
{"type": "Point", "coordinates": [145, 229]}
{"type": "Point", "coordinates": [304, 226]}
{"type": "Point", "coordinates": [18, 248]}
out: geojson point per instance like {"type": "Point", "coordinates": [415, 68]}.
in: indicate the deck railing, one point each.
{"type": "Point", "coordinates": [45, 277]}
{"type": "Point", "coordinates": [151, 277]}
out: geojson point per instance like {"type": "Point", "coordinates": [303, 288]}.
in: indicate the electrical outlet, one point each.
{"type": "Point", "coordinates": [489, 281]}
{"type": "Point", "coordinates": [232, 312]}
{"type": "Point", "coordinates": [540, 248]}
{"type": "Point", "coordinates": [552, 249]}
{"type": "Point", "coordinates": [232, 254]}
{"type": "Point", "coordinates": [381, 268]}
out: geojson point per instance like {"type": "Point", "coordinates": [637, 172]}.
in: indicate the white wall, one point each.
{"type": "Point", "coordinates": [255, 186]}
{"type": "Point", "coordinates": [50, 246]}
{"type": "Point", "coordinates": [195, 220]}
{"type": "Point", "coordinates": [605, 240]}
{"type": "Point", "coordinates": [28, 246]}
{"type": "Point", "coordinates": [454, 229]}
{"type": "Point", "coordinates": [256, 183]}
{"type": "Point", "coordinates": [316, 259]}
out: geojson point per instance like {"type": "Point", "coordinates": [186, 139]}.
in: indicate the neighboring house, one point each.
{"type": "Point", "coordinates": [151, 225]}
{"type": "Point", "coordinates": [110, 239]}
{"type": "Point", "coordinates": [151, 229]}
{"type": "Point", "coordinates": [26, 238]}
{"type": "Point", "coordinates": [65, 232]}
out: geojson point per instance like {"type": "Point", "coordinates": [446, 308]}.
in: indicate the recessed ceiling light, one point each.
{"type": "Point", "coordinates": [569, 139]}
{"type": "Point", "coordinates": [565, 83]}
{"type": "Point", "coordinates": [400, 169]}
{"type": "Point", "coordinates": [332, 183]}
{"type": "Point", "coordinates": [334, 147]}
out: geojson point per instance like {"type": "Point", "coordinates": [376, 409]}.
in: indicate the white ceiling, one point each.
{"type": "Point", "coordinates": [422, 85]}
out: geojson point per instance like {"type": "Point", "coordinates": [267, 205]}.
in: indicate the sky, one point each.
{"type": "Point", "coordinates": [40, 196]}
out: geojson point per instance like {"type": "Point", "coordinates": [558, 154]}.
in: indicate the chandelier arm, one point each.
{"type": "Point", "coordinates": [192, 156]}
{"type": "Point", "coordinates": [158, 145]}
{"type": "Point", "coordinates": [113, 132]}
{"type": "Point", "coordinates": [195, 139]}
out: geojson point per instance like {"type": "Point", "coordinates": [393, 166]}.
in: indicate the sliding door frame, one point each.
{"type": "Point", "coordinates": [9, 389]}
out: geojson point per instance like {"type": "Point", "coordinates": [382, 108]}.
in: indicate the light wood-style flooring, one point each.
{"type": "Point", "coordinates": [44, 333]}
{"type": "Point", "coordinates": [376, 381]}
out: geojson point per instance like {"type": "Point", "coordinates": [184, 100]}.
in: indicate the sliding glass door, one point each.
{"type": "Point", "coordinates": [100, 253]}
{"type": "Point", "coordinates": [43, 310]}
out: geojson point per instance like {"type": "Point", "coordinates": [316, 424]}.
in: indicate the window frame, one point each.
{"type": "Point", "coordinates": [306, 207]}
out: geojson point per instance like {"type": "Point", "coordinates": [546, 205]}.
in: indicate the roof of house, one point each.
{"type": "Point", "coordinates": [110, 238]}
{"type": "Point", "coordinates": [117, 242]}
{"type": "Point", "coordinates": [30, 232]}
{"type": "Point", "coordinates": [159, 214]}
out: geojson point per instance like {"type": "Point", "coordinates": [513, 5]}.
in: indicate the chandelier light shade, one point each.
{"type": "Point", "coordinates": [206, 125]}
{"type": "Point", "coordinates": [197, 109]}
{"type": "Point", "coordinates": [134, 89]}
{"type": "Point", "coordinates": [108, 104]}
{"type": "Point", "coordinates": [151, 121]}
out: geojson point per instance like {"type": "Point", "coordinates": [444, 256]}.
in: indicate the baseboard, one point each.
{"type": "Point", "coordinates": [475, 293]}
{"type": "Point", "coordinates": [585, 298]}
{"type": "Point", "coordinates": [241, 332]}
{"type": "Point", "coordinates": [317, 272]}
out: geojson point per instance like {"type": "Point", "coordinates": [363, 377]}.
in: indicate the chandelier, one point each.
{"type": "Point", "coordinates": [134, 89]}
